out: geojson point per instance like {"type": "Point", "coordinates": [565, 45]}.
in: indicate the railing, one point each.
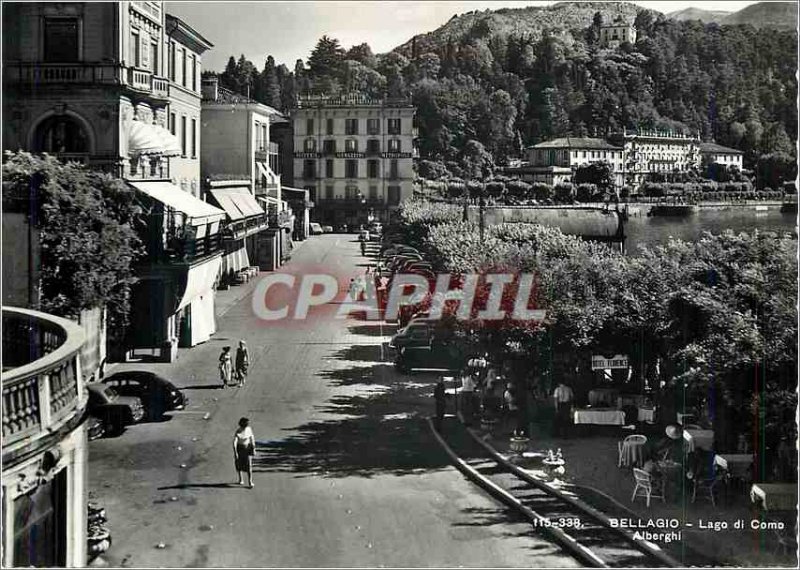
{"type": "Point", "coordinates": [279, 219]}
{"type": "Point", "coordinates": [396, 155]}
{"type": "Point", "coordinates": [187, 250]}
{"type": "Point", "coordinates": [140, 79]}
{"type": "Point", "coordinates": [161, 87]}
{"type": "Point", "coordinates": [59, 73]}
{"type": "Point", "coordinates": [236, 229]}
{"type": "Point", "coordinates": [41, 372]}
{"type": "Point", "coordinates": [350, 100]}
{"type": "Point", "coordinates": [350, 154]}
{"type": "Point", "coordinates": [306, 155]}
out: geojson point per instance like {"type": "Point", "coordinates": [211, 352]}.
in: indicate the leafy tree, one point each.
{"type": "Point", "coordinates": [598, 173]}
{"type": "Point", "coordinates": [85, 221]}
{"type": "Point", "coordinates": [362, 53]}
{"type": "Point", "coordinates": [271, 85]}
{"type": "Point", "coordinates": [326, 59]}
{"type": "Point", "coordinates": [476, 161]}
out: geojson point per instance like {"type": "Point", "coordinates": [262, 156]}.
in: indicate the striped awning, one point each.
{"type": "Point", "coordinates": [172, 145]}
{"type": "Point", "coordinates": [237, 202]}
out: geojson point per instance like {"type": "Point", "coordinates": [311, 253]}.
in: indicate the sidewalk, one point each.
{"type": "Point", "coordinates": [593, 476]}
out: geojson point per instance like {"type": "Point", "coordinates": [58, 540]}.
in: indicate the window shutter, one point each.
{"type": "Point", "coordinates": [144, 49]}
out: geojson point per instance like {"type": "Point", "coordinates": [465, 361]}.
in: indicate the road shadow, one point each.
{"type": "Point", "coordinates": [203, 387]}
{"type": "Point", "coordinates": [362, 352]}
{"type": "Point", "coordinates": [372, 330]}
{"type": "Point", "coordinates": [376, 374]}
{"type": "Point", "coordinates": [202, 486]}
{"type": "Point", "coordinates": [381, 432]}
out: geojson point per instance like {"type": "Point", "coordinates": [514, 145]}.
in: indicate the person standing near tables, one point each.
{"type": "Point", "coordinates": [439, 398]}
{"type": "Point", "coordinates": [468, 396]}
{"type": "Point", "coordinates": [562, 398]}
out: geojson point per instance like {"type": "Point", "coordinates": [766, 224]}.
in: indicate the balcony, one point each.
{"type": "Point", "coordinates": [306, 155]}
{"type": "Point", "coordinates": [262, 152]}
{"type": "Point", "coordinates": [186, 249]}
{"type": "Point", "coordinates": [350, 155]}
{"type": "Point", "coordinates": [39, 73]}
{"type": "Point", "coordinates": [41, 374]}
{"type": "Point", "coordinates": [395, 155]}
{"type": "Point", "coordinates": [144, 81]}
{"type": "Point", "coordinates": [243, 228]}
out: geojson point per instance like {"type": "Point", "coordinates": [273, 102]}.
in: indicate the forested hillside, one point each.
{"type": "Point", "coordinates": [511, 78]}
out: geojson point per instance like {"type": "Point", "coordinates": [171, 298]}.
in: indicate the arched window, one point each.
{"type": "Point", "coordinates": [61, 134]}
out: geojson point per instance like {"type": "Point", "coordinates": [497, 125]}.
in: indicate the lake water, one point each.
{"type": "Point", "coordinates": [641, 230]}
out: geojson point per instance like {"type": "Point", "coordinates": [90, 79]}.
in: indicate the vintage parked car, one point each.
{"type": "Point", "coordinates": [327, 229]}
{"type": "Point", "coordinates": [116, 411]}
{"type": "Point", "coordinates": [157, 394]}
{"type": "Point", "coordinates": [314, 228]}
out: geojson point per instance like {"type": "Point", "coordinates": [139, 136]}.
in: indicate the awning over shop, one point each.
{"type": "Point", "coordinates": [267, 173]}
{"type": "Point", "coordinates": [200, 280]}
{"type": "Point", "coordinates": [235, 261]}
{"type": "Point", "coordinates": [143, 138]}
{"type": "Point", "coordinates": [237, 202]}
{"type": "Point", "coordinates": [170, 195]}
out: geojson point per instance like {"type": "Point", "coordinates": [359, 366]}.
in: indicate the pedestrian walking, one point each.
{"type": "Point", "coordinates": [225, 366]}
{"type": "Point", "coordinates": [562, 397]}
{"type": "Point", "coordinates": [363, 248]}
{"type": "Point", "coordinates": [441, 404]}
{"type": "Point", "coordinates": [244, 448]}
{"type": "Point", "coordinates": [242, 363]}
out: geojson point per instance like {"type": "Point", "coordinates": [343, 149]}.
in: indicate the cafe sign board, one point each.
{"type": "Point", "coordinates": [616, 362]}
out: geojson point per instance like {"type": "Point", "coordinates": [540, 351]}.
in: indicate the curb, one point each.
{"type": "Point", "coordinates": [563, 539]}
{"type": "Point", "coordinates": [647, 546]}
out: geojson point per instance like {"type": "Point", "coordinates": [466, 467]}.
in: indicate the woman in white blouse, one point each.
{"type": "Point", "coordinates": [244, 447]}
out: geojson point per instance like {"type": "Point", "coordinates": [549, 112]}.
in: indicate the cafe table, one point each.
{"type": "Point", "coordinates": [684, 419]}
{"type": "Point", "coordinates": [599, 416]}
{"type": "Point", "coordinates": [632, 452]}
{"type": "Point", "coordinates": [602, 396]}
{"type": "Point", "coordinates": [735, 464]}
{"type": "Point", "coordinates": [774, 496]}
{"type": "Point", "coordinates": [699, 438]}
{"type": "Point", "coordinates": [632, 400]}
{"type": "Point", "coordinates": [672, 474]}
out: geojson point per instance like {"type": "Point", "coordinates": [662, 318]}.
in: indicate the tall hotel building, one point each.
{"type": "Point", "coordinates": [355, 156]}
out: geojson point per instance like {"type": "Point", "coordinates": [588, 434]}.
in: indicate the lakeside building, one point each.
{"type": "Point", "coordinates": [649, 152]}
{"type": "Point", "coordinates": [555, 161]}
{"type": "Point", "coordinates": [115, 86]}
{"type": "Point", "coordinates": [354, 155]}
{"type": "Point", "coordinates": [712, 153]}
{"type": "Point", "coordinates": [241, 172]}
{"type": "Point", "coordinates": [44, 500]}
{"type": "Point", "coordinates": [617, 32]}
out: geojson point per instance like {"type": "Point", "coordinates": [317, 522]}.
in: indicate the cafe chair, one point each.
{"type": "Point", "coordinates": [706, 484]}
{"type": "Point", "coordinates": [644, 486]}
{"type": "Point", "coordinates": [787, 542]}
{"type": "Point", "coordinates": [631, 439]}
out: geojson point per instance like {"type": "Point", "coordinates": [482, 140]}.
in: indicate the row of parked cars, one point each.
{"type": "Point", "coordinates": [421, 342]}
{"type": "Point", "coordinates": [130, 397]}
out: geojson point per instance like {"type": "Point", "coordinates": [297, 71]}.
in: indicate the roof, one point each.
{"type": "Point", "coordinates": [710, 147]}
{"type": "Point", "coordinates": [227, 97]}
{"type": "Point", "coordinates": [188, 35]}
{"type": "Point", "coordinates": [577, 142]}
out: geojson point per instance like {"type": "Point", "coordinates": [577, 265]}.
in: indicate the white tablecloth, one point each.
{"type": "Point", "coordinates": [632, 453]}
{"type": "Point", "coordinates": [702, 438]}
{"type": "Point", "coordinates": [775, 496]}
{"type": "Point", "coordinates": [630, 400]}
{"type": "Point", "coordinates": [646, 415]}
{"type": "Point", "coordinates": [685, 418]}
{"type": "Point", "coordinates": [734, 462]}
{"type": "Point", "coordinates": [602, 417]}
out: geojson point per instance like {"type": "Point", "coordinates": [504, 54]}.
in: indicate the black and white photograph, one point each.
{"type": "Point", "coordinates": [399, 284]}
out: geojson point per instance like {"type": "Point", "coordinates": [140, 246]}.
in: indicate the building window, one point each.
{"type": "Point", "coordinates": [194, 138]}
{"type": "Point", "coordinates": [309, 169]}
{"type": "Point", "coordinates": [184, 67]}
{"type": "Point", "coordinates": [264, 137]}
{"type": "Point", "coordinates": [372, 169]}
{"type": "Point", "coordinates": [351, 192]}
{"type": "Point", "coordinates": [393, 126]}
{"type": "Point", "coordinates": [373, 126]}
{"type": "Point", "coordinates": [310, 145]}
{"type": "Point", "coordinates": [194, 73]}
{"type": "Point", "coordinates": [136, 55]}
{"type": "Point", "coordinates": [183, 136]}
{"type": "Point", "coordinates": [394, 173]}
{"type": "Point", "coordinates": [154, 63]}
{"type": "Point", "coordinates": [329, 146]}
{"type": "Point", "coordinates": [61, 39]}
{"type": "Point", "coordinates": [172, 126]}
{"type": "Point", "coordinates": [373, 192]}
{"type": "Point", "coordinates": [351, 126]}
{"type": "Point", "coordinates": [40, 529]}
{"type": "Point", "coordinates": [312, 192]}
{"type": "Point", "coordinates": [394, 195]}
{"type": "Point", "coordinates": [61, 134]}
{"type": "Point", "coordinates": [351, 168]}
{"type": "Point", "coordinates": [329, 192]}
{"type": "Point", "coordinates": [329, 126]}
{"type": "Point", "coordinates": [309, 126]}
{"type": "Point", "coordinates": [172, 56]}
{"type": "Point", "coordinates": [329, 168]}
{"type": "Point", "coordinates": [351, 145]}
{"type": "Point", "coordinates": [373, 146]}
{"type": "Point", "coordinates": [394, 145]}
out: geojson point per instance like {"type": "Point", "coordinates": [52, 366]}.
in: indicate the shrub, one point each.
{"type": "Point", "coordinates": [518, 189]}
{"type": "Point", "coordinates": [564, 193]}
{"type": "Point", "coordinates": [542, 192]}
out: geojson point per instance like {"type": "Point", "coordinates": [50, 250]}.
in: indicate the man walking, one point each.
{"type": "Point", "coordinates": [439, 397]}
{"type": "Point", "coordinates": [562, 397]}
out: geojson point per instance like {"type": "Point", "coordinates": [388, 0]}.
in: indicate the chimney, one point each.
{"type": "Point", "coordinates": [210, 88]}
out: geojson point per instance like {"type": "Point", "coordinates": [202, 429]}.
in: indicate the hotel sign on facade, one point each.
{"type": "Point", "coordinates": [616, 362]}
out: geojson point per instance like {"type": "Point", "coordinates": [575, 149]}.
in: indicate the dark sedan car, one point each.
{"type": "Point", "coordinates": [158, 394]}
{"type": "Point", "coordinates": [115, 411]}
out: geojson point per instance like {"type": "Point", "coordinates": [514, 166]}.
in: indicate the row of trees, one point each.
{"type": "Point", "coordinates": [712, 320]}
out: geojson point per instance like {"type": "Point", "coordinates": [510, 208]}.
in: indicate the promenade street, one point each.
{"type": "Point", "coordinates": [346, 470]}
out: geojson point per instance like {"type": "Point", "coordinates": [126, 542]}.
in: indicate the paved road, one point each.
{"type": "Point", "coordinates": [346, 472]}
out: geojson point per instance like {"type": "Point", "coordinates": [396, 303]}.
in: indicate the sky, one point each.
{"type": "Point", "coordinates": [289, 30]}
